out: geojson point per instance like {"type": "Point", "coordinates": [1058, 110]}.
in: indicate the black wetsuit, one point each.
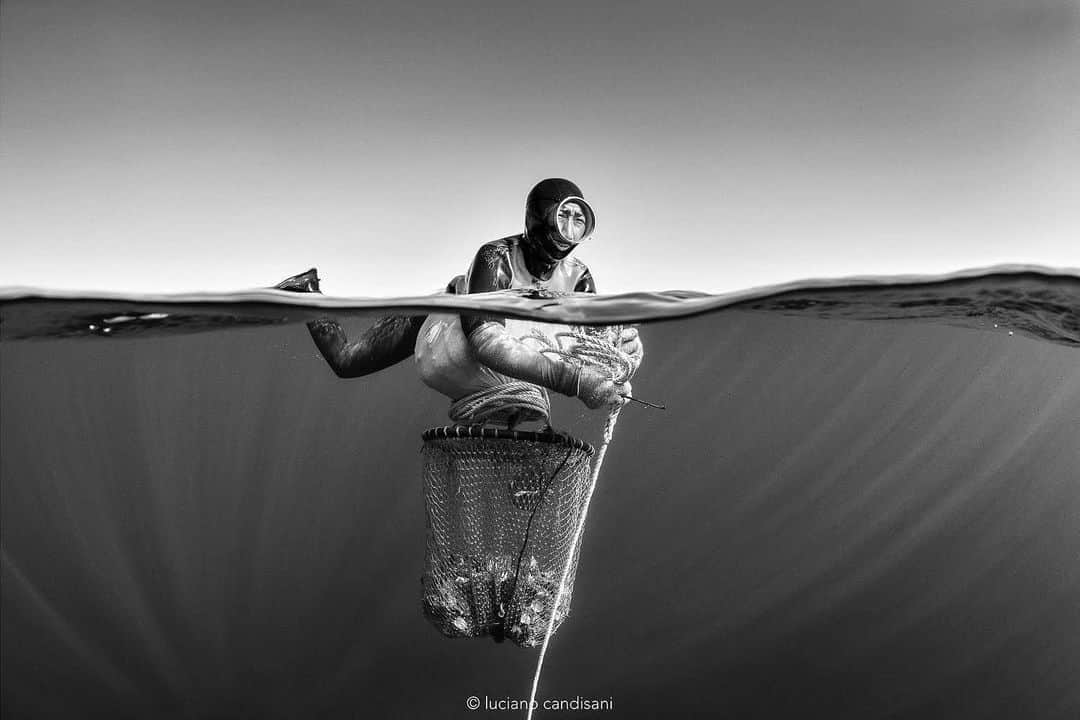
{"type": "Point", "coordinates": [539, 253]}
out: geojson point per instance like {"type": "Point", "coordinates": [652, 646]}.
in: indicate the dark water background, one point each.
{"type": "Point", "coordinates": [862, 502]}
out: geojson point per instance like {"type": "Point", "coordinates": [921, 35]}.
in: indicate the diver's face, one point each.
{"type": "Point", "coordinates": [572, 222]}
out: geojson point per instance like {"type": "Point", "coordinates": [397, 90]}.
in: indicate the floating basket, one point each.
{"type": "Point", "coordinates": [502, 508]}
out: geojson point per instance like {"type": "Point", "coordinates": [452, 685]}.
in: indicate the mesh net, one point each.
{"type": "Point", "coordinates": [502, 508]}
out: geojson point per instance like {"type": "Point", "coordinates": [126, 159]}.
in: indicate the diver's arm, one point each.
{"type": "Point", "coordinates": [387, 342]}
{"type": "Point", "coordinates": [490, 272]}
{"type": "Point", "coordinates": [494, 346]}
{"type": "Point", "coordinates": [507, 355]}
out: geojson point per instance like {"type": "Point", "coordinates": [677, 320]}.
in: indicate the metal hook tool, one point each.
{"type": "Point", "coordinates": [646, 404]}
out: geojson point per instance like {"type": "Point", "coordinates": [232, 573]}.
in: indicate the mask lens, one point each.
{"type": "Point", "coordinates": [572, 222]}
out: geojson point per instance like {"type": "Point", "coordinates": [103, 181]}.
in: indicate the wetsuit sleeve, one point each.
{"type": "Point", "coordinates": [494, 346]}
{"type": "Point", "coordinates": [490, 272]}
{"type": "Point", "coordinates": [387, 342]}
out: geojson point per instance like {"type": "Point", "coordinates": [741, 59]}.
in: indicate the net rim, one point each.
{"type": "Point", "coordinates": [451, 432]}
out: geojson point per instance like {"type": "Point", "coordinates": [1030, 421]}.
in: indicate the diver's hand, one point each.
{"type": "Point", "coordinates": [596, 389]}
{"type": "Point", "coordinates": [307, 282]}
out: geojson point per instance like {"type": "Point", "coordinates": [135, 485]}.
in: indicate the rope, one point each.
{"type": "Point", "coordinates": [532, 516]}
{"type": "Point", "coordinates": [598, 351]}
{"type": "Point", "coordinates": [517, 401]}
{"type": "Point", "coordinates": [525, 400]}
{"type": "Point", "coordinates": [609, 430]}
{"type": "Point", "coordinates": [602, 353]}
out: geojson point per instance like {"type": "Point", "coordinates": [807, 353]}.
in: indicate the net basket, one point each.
{"type": "Point", "coordinates": [502, 507]}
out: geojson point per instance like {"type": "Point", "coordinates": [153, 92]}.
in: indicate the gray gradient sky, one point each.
{"type": "Point", "coordinates": [168, 146]}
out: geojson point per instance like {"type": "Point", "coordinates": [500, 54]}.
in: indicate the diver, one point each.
{"type": "Point", "coordinates": [459, 355]}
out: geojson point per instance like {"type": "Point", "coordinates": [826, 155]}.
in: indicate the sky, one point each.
{"type": "Point", "coordinates": [160, 146]}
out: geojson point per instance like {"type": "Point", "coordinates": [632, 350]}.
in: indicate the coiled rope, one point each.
{"type": "Point", "coordinates": [516, 399]}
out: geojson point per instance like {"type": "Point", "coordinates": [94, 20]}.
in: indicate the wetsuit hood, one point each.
{"type": "Point", "coordinates": [544, 244]}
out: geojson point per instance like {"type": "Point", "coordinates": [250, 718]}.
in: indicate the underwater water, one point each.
{"type": "Point", "coordinates": [862, 501]}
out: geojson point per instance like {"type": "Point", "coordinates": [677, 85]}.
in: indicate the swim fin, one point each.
{"type": "Point", "coordinates": [304, 282]}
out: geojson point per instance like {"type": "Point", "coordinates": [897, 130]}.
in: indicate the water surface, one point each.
{"type": "Point", "coordinates": [861, 502]}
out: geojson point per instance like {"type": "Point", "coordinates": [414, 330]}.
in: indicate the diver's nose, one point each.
{"type": "Point", "coordinates": [572, 226]}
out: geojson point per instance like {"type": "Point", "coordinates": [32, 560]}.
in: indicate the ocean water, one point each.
{"type": "Point", "coordinates": [862, 501]}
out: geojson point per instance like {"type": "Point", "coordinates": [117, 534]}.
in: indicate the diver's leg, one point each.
{"type": "Point", "coordinates": [387, 342]}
